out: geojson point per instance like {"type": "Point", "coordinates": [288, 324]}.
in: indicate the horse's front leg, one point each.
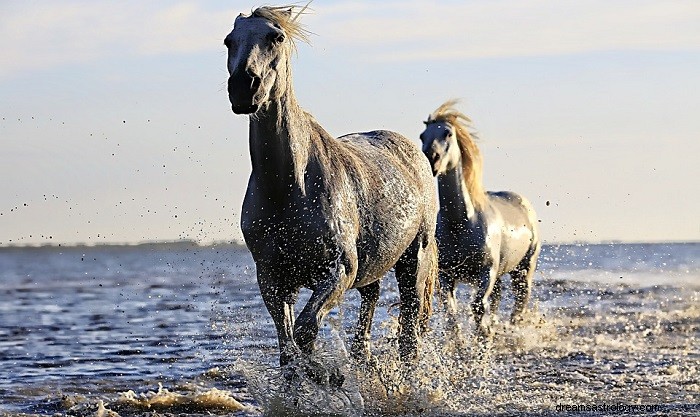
{"type": "Point", "coordinates": [448, 299]}
{"type": "Point", "coordinates": [327, 294]}
{"type": "Point", "coordinates": [360, 345]}
{"type": "Point", "coordinates": [279, 300]}
{"type": "Point", "coordinates": [495, 299]}
{"type": "Point", "coordinates": [485, 282]}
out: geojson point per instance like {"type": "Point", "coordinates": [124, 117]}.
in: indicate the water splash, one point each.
{"type": "Point", "coordinates": [588, 341]}
{"type": "Point", "coordinates": [558, 356]}
{"type": "Point", "coordinates": [280, 396]}
{"type": "Point", "coordinates": [196, 400]}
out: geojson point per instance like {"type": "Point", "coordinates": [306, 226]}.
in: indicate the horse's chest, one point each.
{"type": "Point", "coordinates": [463, 249]}
{"type": "Point", "coordinates": [290, 237]}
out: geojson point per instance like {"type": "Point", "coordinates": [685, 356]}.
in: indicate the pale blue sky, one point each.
{"type": "Point", "coordinates": [115, 124]}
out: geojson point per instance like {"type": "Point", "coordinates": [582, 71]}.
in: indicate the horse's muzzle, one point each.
{"type": "Point", "coordinates": [242, 87]}
{"type": "Point", "coordinates": [433, 159]}
{"type": "Point", "coordinates": [251, 109]}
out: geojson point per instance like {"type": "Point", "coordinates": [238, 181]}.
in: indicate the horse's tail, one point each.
{"type": "Point", "coordinates": [429, 273]}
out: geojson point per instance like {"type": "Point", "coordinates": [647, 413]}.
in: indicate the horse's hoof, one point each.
{"type": "Point", "coordinates": [336, 379]}
{"type": "Point", "coordinates": [372, 362]}
{"type": "Point", "coordinates": [323, 376]}
{"type": "Point", "coordinates": [366, 362]}
{"type": "Point", "coordinates": [290, 373]}
{"type": "Point", "coordinates": [517, 320]}
{"type": "Point", "coordinates": [484, 334]}
{"type": "Point", "coordinates": [364, 358]}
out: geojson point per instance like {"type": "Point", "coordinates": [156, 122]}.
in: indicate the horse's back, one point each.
{"type": "Point", "coordinates": [516, 210]}
{"type": "Point", "coordinates": [384, 146]}
{"type": "Point", "coordinates": [390, 165]}
{"type": "Point", "coordinates": [394, 196]}
{"type": "Point", "coordinates": [520, 232]}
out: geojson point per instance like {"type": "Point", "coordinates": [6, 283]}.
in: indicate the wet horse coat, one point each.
{"type": "Point", "coordinates": [481, 235]}
{"type": "Point", "coordinates": [323, 213]}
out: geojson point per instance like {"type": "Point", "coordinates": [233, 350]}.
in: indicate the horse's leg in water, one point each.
{"type": "Point", "coordinates": [325, 296]}
{"type": "Point", "coordinates": [360, 345]}
{"type": "Point", "coordinates": [279, 301]}
{"type": "Point", "coordinates": [448, 299]}
{"type": "Point", "coordinates": [413, 275]}
{"type": "Point", "coordinates": [521, 280]}
{"type": "Point", "coordinates": [495, 298]}
{"type": "Point", "coordinates": [485, 281]}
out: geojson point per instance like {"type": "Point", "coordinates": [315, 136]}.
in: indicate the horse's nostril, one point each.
{"type": "Point", "coordinates": [255, 80]}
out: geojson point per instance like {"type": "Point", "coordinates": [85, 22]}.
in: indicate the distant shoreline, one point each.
{"type": "Point", "coordinates": [163, 245]}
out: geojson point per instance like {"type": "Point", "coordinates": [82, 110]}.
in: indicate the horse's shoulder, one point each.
{"type": "Point", "coordinates": [508, 198]}
{"type": "Point", "coordinates": [513, 209]}
{"type": "Point", "coordinates": [505, 196]}
{"type": "Point", "coordinates": [377, 138]}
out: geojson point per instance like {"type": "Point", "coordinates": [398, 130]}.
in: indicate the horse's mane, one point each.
{"type": "Point", "coordinates": [472, 168]}
{"type": "Point", "coordinates": [282, 17]}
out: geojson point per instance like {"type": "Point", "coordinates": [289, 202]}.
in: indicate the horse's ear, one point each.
{"type": "Point", "coordinates": [288, 12]}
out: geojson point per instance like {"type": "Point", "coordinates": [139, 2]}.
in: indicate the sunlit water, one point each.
{"type": "Point", "coordinates": [181, 329]}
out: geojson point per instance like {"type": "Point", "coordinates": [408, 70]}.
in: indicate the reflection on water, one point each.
{"type": "Point", "coordinates": [181, 329]}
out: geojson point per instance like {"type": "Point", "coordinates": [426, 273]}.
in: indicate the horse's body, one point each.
{"type": "Point", "coordinates": [323, 213]}
{"type": "Point", "coordinates": [481, 235]}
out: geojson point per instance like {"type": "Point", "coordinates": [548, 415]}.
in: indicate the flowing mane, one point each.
{"type": "Point", "coordinates": [282, 17]}
{"type": "Point", "coordinates": [481, 236]}
{"type": "Point", "coordinates": [471, 156]}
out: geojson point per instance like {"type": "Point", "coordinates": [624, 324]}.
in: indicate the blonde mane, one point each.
{"type": "Point", "coordinates": [282, 17]}
{"type": "Point", "coordinates": [472, 168]}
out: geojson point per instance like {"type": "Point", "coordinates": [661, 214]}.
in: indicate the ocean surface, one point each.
{"type": "Point", "coordinates": [180, 329]}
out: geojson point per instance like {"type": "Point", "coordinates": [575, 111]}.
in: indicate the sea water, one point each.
{"type": "Point", "coordinates": [181, 329]}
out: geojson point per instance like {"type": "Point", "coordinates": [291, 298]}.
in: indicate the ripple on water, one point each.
{"type": "Point", "coordinates": [138, 343]}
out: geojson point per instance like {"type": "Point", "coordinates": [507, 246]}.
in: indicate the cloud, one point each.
{"type": "Point", "coordinates": [45, 34]}
{"type": "Point", "coordinates": [449, 30]}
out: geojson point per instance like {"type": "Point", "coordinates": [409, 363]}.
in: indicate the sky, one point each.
{"type": "Point", "coordinates": [115, 125]}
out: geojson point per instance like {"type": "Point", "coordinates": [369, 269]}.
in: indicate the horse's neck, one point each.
{"type": "Point", "coordinates": [279, 147]}
{"type": "Point", "coordinates": [455, 202]}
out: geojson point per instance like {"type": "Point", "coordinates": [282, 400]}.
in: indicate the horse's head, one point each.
{"type": "Point", "coordinates": [440, 146]}
{"type": "Point", "coordinates": [258, 53]}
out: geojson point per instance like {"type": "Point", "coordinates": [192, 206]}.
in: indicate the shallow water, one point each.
{"type": "Point", "coordinates": [181, 329]}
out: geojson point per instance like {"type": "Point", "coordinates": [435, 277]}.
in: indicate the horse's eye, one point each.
{"type": "Point", "coordinates": [276, 37]}
{"type": "Point", "coordinates": [446, 134]}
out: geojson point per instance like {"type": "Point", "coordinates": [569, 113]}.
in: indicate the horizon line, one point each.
{"type": "Point", "coordinates": [234, 242]}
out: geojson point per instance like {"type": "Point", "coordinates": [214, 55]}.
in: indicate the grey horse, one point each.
{"type": "Point", "coordinates": [323, 213]}
{"type": "Point", "coordinates": [481, 235]}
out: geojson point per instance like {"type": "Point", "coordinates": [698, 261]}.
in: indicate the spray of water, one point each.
{"type": "Point", "coordinates": [558, 356]}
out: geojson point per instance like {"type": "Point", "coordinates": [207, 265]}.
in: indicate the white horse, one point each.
{"type": "Point", "coordinates": [481, 235]}
{"type": "Point", "coordinates": [323, 213]}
